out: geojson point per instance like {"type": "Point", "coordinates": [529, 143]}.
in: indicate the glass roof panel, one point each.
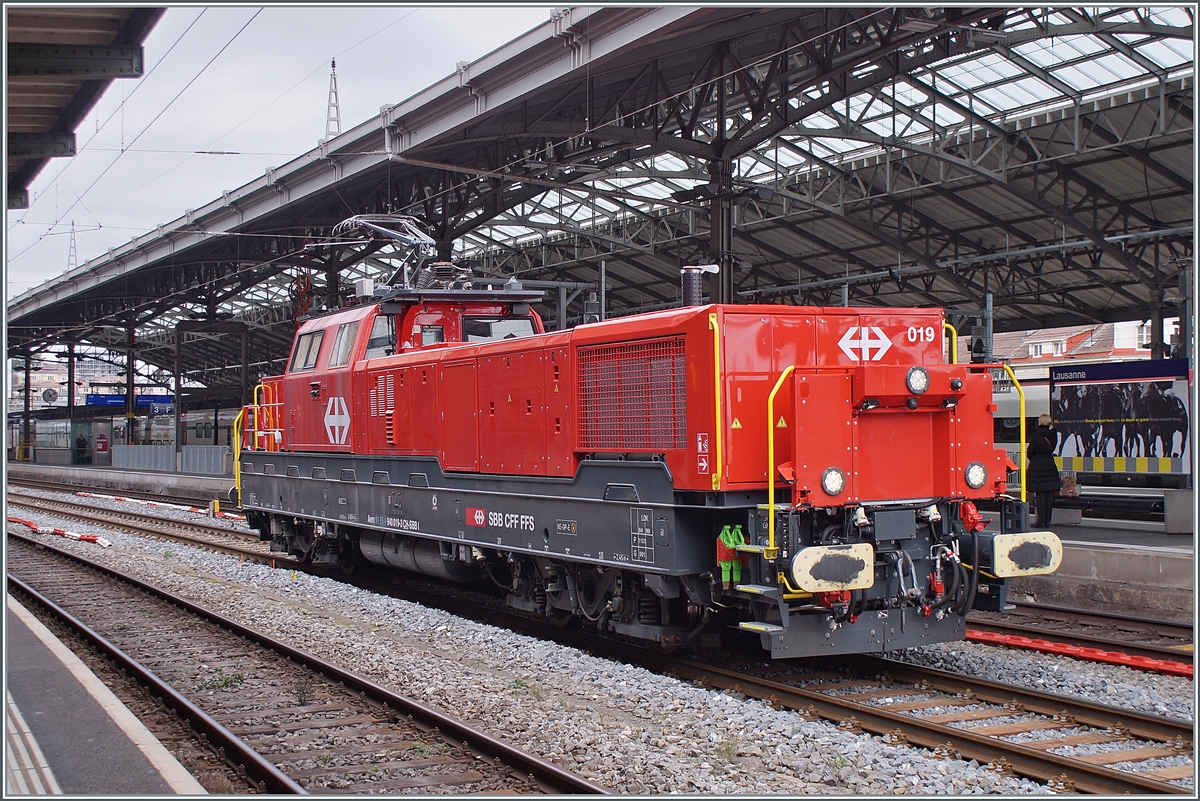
{"type": "Point", "coordinates": [945, 115]}
{"type": "Point", "coordinates": [1120, 67]}
{"type": "Point", "coordinates": [820, 120]}
{"type": "Point", "coordinates": [787, 157]}
{"type": "Point", "coordinates": [998, 65]}
{"type": "Point", "coordinates": [1047, 53]}
{"type": "Point", "coordinates": [965, 75]}
{"type": "Point", "coordinates": [1174, 16]}
{"type": "Point", "coordinates": [1166, 53]}
{"type": "Point", "coordinates": [1080, 78]}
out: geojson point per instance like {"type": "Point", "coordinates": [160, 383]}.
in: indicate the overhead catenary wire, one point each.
{"type": "Point", "coordinates": [166, 107]}
{"type": "Point", "coordinates": [79, 198]}
{"type": "Point", "coordinates": [100, 126]}
{"type": "Point", "coordinates": [207, 150]}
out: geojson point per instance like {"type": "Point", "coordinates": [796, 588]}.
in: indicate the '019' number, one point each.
{"type": "Point", "coordinates": [925, 334]}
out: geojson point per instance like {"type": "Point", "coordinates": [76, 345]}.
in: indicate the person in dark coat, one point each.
{"type": "Point", "coordinates": [1042, 476]}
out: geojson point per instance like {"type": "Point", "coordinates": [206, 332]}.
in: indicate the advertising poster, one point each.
{"type": "Point", "coordinates": [1122, 417]}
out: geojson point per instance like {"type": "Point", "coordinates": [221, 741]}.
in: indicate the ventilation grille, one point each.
{"type": "Point", "coordinates": [633, 396]}
{"type": "Point", "coordinates": [383, 395]}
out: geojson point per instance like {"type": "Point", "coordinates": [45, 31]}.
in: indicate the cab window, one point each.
{"type": "Point", "coordinates": [343, 343]}
{"type": "Point", "coordinates": [307, 348]}
{"type": "Point", "coordinates": [383, 337]}
{"type": "Point", "coordinates": [486, 329]}
{"type": "Point", "coordinates": [432, 335]}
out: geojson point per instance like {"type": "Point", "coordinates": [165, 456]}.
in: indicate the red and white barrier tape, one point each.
{"type": "Point", "coordinates": [196, 509]}
{"type": "Point", "coordinates": [1166, 666]}
{"type": "Point", "coordinates": [60, 532]}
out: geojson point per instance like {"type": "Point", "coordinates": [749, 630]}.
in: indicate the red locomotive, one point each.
{"type": "Point", "coordinates": [806, 474]}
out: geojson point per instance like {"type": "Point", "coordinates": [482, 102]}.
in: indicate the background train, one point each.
{"type": "Point", "coordinates": [810, 475]}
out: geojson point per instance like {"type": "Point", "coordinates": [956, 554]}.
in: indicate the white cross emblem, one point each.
{"type": "Point", "coordinates": [869, 338]}
{"type": "Point", "coordinates": [337, 421]}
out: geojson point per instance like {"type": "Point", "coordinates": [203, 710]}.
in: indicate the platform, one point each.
{"type": "Point", "coordinates": [1117, 565]}
{"type": "Point", "coordinates": [66, 731]}
{"type": "Point", "coordinates": [181, 486]}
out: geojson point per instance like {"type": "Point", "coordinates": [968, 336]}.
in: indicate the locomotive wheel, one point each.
{"type": "Point", "coordinates": [302, 546]}
{"type": "Point", "coordinates": [591, 597]}
{"type": "Point", "coordinates": [560, 618]}
{"type": "Point", "coordinates": [348, 557]}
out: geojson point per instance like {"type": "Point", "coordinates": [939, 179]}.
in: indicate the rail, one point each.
{"type": "Point", "coordinates": [555, 780]}
{"type": "Point", "coordinates": [234, 748]}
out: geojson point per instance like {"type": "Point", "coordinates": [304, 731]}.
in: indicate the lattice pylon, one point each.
{"type": "Point", "coordinates": [73, 252]}
{"type": "Point", "coordinates": [333, 116]}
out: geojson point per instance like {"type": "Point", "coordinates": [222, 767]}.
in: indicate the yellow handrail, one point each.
{"type": "Point", "coordinates": [712, 323]}
{"type": "Point", "coordinates": [237, 453]}
{"type": "Point", "coordinates": [953, 342]}
{"type": "Point", "coordinates": [771, 552]}
{"type": "Point", "coordinates": [1021, 455]}
{"type": "Point", "coordinates": [1021, 395]}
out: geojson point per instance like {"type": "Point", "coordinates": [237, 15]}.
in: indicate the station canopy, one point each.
{"type": "Point", "coordinates": [1039, 157]}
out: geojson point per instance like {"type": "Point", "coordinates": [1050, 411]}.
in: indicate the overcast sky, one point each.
{"type": "Point", "coordinates": [264, 96]}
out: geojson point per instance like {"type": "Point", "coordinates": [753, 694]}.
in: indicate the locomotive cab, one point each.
{"type": "Point", "coordinates": [319, 389]}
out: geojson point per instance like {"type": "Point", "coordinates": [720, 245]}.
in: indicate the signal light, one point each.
{"type": "Point", "coordinates": [976, 475]}
{"type": "Point", "coordinates": [833, 481]}
{"type": "Point", "coordinates": [917, 380]}
{"type": "Point", "coordinates": [978, 351]}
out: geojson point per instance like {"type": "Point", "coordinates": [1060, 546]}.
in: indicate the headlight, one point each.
{"type": "Point", "coordinates": [833, 481]}
{"type": "Point", "coordinates": [976, 475]}
{"type": "Point", "coordinates": [917, 380]}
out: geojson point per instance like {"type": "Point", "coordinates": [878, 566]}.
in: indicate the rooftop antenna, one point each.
{"type": "Point", "coordinates": [73, 253]}
{"type": "Point", "coordinates": [333, 116]}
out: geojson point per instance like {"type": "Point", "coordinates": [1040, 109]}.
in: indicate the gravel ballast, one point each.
{"type": "Point", "coordinates": [622, 727]}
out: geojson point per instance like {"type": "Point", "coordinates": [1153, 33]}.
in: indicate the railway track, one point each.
{"type": "Point", "coordinates": [181, 496]}
{"type": "Point", "coordinates": [1061, 722]}
{"type": "Point", "coordinates": [1015, 713]}
{"type": "Point", "coordinates": [931, 709]}
{"type": "Point", "coordinates": [292, 721]}
{"type": "Point", "coordinates": [976, 719]}
{"type": "Point", "coordinates": [1153, 639]}
{"type": "Point", "coordinates": [995, 711]}
{"type": "Point", "coordinates": [222, 539]}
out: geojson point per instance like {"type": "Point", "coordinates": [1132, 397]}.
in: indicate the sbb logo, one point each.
{"type": "Point", "coordinates": [476, 517]}
{"type": "Point", "coordinates": [867, 344]}
{"type": "Point", "coordinates": [337, 420]}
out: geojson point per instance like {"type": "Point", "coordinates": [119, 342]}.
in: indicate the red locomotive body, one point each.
{"type": "Point", "coordinates": [590, 472]}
